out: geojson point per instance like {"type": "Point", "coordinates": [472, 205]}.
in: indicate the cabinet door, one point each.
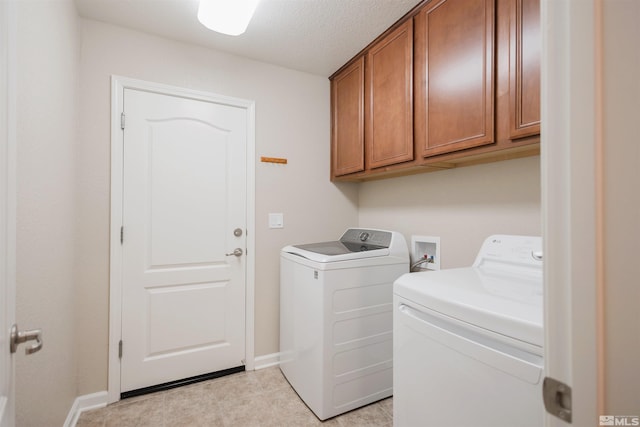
{"type": "Point", "coordinates": [389, 99]}
{"type": "Point", "coordinates": [454, 75]}
{"type": "Point", "coordinates": [524, 73]}
{"type": "Point", "coordinates": [347, 120]}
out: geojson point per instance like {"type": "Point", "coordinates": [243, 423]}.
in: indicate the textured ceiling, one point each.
{"type": "Point", "coordinates": [315, 36]}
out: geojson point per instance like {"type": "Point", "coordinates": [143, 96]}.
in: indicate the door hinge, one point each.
{"type": "Point", "coordinates": [122, 120]}
{"type": "Point", "coordinates": [557, 398]}
{"type": "Point", "coordinates": [120, 349]}
{"type": "Point", "coordinates": [122, 235]}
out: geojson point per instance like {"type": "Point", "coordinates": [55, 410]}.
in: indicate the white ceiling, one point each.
{"type": "Point", "coordinates": [315, 36]}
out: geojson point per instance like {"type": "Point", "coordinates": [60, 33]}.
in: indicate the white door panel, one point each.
{"type": "Point", "coordinates": [184, 224]}
{"type": "Point", "coordinates": [201, 325]}
{"type": "Point", "coordinates": [184, 194]}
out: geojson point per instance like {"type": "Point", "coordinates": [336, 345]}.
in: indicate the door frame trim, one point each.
{"type": "Point", "coordinates": [571, 173]}
{"type": "Point", "coordinates": [8, 204]}
{"type": "Point", "coordinates": [118, 84]}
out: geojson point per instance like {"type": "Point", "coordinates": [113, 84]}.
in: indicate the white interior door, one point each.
{"type": "Point", "coordinates": [7, 212]}
{"type": "Point", "coordinates": [184, 212]}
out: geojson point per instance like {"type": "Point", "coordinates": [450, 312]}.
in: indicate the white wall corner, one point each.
{"type": "Point", "coordinates": [85, 403]}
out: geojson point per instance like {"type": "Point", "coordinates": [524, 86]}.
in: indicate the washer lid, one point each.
{"type": "Point", "coordinates": [336, 251]}
{"type": "Point", "coordinates": [355, 243]}
{"type": "Point", "coordinates": [338, 248]}
{"type": "Point", "coordinates": [507, 303]}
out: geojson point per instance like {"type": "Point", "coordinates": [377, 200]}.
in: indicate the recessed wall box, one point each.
{"type": "Point", "coordinates": [425, 246]}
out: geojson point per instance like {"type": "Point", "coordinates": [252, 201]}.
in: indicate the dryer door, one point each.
{"type": "Point", "coordinates": [440, 364]}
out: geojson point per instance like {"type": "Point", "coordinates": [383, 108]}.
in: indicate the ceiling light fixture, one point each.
{"type": "Point", "coordinates": [226, 16]}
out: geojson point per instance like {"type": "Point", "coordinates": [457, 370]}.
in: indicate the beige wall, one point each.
{"type": "Point", "coordinates": [63, 188]}
{"type": "Point", "coordinates": [292, 121]}
{"type": "Point", "coordinates": [622, 206]}
{"type": "Point", "coordinates": [63, 191]}
{"type": "Point", "coordinates": [462, 206]}
{"type": "Point", "coordinates": [47, 112]}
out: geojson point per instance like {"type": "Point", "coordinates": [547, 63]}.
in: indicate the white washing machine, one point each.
{"type": "Point", "coordinates": [468, 341]}
{"type": "Point", "coordinates": [336, 318]}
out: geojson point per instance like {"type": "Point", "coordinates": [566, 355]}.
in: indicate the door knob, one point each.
{"type": "Point", "coordinates": [18, 338]}
{"type": "Point", "coordinates": [236, 252]}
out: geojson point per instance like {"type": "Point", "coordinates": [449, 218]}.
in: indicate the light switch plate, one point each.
{"type": "Point", "coordinates": [276, 220]}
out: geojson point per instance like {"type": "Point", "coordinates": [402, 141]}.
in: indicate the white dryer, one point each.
{"type": "Point", "coordinates": [468, 341]}
{"type": "Point", "coordinates": [336, 318]}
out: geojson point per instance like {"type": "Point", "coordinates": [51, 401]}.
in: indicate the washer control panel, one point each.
{"type": "Point", "coordinates": [377, 238]}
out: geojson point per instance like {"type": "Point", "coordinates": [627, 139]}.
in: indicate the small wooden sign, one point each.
{"type": "Point", "coordinates": [273, 160]}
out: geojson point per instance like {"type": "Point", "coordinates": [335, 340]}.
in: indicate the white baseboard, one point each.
{"type": "Point", "coordinates": [85, 403]}
{"type": "Point", "coordinates": [267, 361]}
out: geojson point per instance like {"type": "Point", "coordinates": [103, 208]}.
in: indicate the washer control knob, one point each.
{"type": "Point", "coordinates": [364, 236]}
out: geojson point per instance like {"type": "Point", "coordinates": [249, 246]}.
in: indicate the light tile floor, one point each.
{"type": "Point", "coordinates": [260, 398]}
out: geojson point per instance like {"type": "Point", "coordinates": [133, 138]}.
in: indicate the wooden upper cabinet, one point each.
{"type": "Point", "coordinates": [347, 120]}
{"type": "Point", "coordinates": [524, 73]}
{"type": "Point", "coordinates": [454, 81]}
{"type": "Point", "coordinates": [389, 99]}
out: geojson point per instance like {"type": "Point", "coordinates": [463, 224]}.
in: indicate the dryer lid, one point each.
{"type": "Point", "coordinates": [502, 292]}
{"type": "Point", "coordinates": [508, 304]}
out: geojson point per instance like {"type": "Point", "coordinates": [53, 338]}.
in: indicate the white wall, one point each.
{"type": "Point", "coordinates": [462, 206]}
{"type": "Point", "coordinates": [47, 111]}
{"type": "Point", "coordinates": [292, 121]}
{"type": "Point", "coordinates": [621, 90]}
